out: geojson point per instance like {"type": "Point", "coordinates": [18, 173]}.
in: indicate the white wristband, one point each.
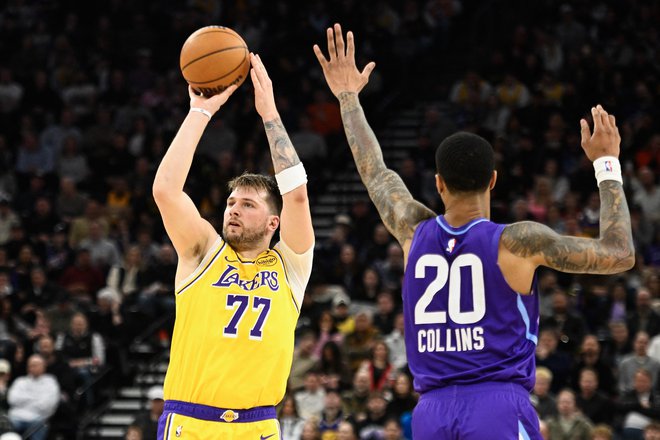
{"type": "Point", "coordinates": [201, 110]}
{"type": "Point", "coordinates": [291, 178]}
{"type": "Point", "coordinates": [607, 168]}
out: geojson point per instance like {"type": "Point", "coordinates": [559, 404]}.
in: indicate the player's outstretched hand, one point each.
{"type": "Point", "coordinates": [264, 99]}
{"type": "Point", "coordinates": [605, 140]}
{"type": "Point", "coordinates": [213, 103]}
{"type": "Point", "coordinates": [340, 71]}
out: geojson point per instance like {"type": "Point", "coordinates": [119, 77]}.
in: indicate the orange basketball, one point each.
{"type": "Point", "coordinates": [213, 58]}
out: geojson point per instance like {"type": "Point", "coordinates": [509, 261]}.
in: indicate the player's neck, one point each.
{"type": "Point", "coordinates": [250, 254]}
{"type": "Point", "coordinates": [462, 210]}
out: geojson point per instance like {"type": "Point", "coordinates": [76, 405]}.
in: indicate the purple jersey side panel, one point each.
{"type": "Point", "coordinates": [463, 323]}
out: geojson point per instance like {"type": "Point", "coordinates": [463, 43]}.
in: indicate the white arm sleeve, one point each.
{"type": "Point", "coordinates": [298, 269]}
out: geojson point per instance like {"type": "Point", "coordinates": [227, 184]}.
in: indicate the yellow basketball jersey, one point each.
{"type": "Point", "coordinates": [234, 332]}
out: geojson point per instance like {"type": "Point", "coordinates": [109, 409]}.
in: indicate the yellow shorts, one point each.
{"type": "Point", "coordinates": [183, 420]}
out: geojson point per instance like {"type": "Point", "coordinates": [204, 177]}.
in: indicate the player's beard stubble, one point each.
{"type": "Point", "coordinates": [246, 239]}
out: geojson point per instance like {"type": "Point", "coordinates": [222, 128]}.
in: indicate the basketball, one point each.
{"type": "Point", "coordinates": [213, 58]}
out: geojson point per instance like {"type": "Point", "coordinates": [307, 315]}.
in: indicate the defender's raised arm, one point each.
{"type": "Point", "coordinates": [397, 208]}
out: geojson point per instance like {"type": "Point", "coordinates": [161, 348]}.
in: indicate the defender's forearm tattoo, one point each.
{"type": "Point", "coordinates": [398, 210]}
{"type": "Point", "coordinates": [281, 149]}
{"type": "Point", "coordinates": [611, 253]}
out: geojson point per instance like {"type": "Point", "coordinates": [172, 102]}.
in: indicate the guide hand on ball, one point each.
{"type": "Point", "coordinates": [213, 103]}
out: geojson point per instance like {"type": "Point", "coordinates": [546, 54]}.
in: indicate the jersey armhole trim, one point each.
{"type": "Point", "coordinates": [286, 275]}
{"type": "Point", "coordinates": [203, 266]}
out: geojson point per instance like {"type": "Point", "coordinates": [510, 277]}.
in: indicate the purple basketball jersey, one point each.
{"type": "Point", "coordinates": [463, 323]}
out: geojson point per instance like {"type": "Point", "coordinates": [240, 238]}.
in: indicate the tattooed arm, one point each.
{"type": "Point", "coordinates": [296, 220]}
{"type": "Point", "coordinates": [399, 211]}
{"type": "Point", "coordinates": [613, 251]}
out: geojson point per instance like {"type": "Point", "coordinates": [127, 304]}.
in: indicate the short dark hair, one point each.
{"type": "Point", "coordinates": [465, 161]}
{"type": "Point", "coordinates": [260, 182]}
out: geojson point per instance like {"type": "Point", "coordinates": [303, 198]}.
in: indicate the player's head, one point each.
{"type": "Point", "coordinates": [253, 211]}
{"type": "Point", "coordinates": [465, 164]}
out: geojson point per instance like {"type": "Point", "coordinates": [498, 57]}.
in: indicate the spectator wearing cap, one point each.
{"type": "Point", "coordinates": [147, 420]}
{"type": "Point", "coordinates": [345, 322]}
{"type": "Point", "coordinates": [33, 399]}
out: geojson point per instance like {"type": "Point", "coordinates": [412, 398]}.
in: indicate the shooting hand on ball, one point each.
{"type": "Point", "coordinates": [213, 103]}
{"type": "Point", "coordinates": [340, 72]}
{"type": "Point", "coordinates": [264, 99]}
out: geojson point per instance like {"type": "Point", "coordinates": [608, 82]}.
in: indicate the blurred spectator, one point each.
{"type": "Point", "coordinates": [311, 399]}
{"type": "Point", "coordinates": [291, 424]}
{"type": "Point", "coordinates": [547, 355]}
{"type": "Point", "coordinates": [379, 367]}
{"type": "Point", "coordinates": [70, 203]}
{"type": "Point", "coordinates": [83, 350]}
{"type": "Point", "coordinates": [355, 399]}
{"type": "Point", "coordinates": [8, 219]}
{"type": "Point", "coordinates": [360, 341]}
{"type": "Point", "coordinates": [332, 415]}
{"type": "Point", "coordinates": [304, 360]}
{"type": "Point", "coordinates": [346, 431]}
{"type": "Point", "coordinates": [639, 358]}
{"type": "Point", "coordinates": [79, 229]}
{"type": "Point", "coordinates": [103, 252]}
{"type": "Point", "coordinates": [147, 421]}
{"type": "Point", "coordinates": [392, 430]}
{"type": "Point", "coordinates": [646, 194]}
{"type": "Point", "coordinates": [619, 344]}
{"type": "Point", "coordinates": [385, 313]}
{"type": "Point", "coordinates": [396, 344]}
{"type": "Point", "coordinates": [123, 277]}
{"type": "Point", "coordinates": [639, 405]}
{"type": "Point", "coordinates": [594, 404]}
{"type": "Point", "coordinates": [652, 431]}
{"type": "Point", "coordinates": [372, 427]}
{"type": "Point", "coordinates": [643, 317]}
{"type": "Point", "coordinates": [11, 92]}
{"type": "Point", "coordinates": [569, 324]}
{"type": "Point", "coordinates": [71, 162]}
{"type": "Point", "coordinates": [32, 158]}
{"type": "Point", "coordinates": [403, 398]}
{"type": "Point", "coordinates": [327, 332]}
{"type": "Point", "coordinates": [341, 311]}
{"type": "Point", "coordinates": [331, 366]}
{"type": "Point", "coordinates": [590, 357]}
{"type": "Point", "coordinates": [569, 424]}
{"type": "Point", "coordinates": [133, 433]}
{"type": "Point", "coordinates": [602, 432]}
{"type": "Point", "coordinates": [33, 399]}
{"type": "Point", "coordinates": [40, 293]}
{"type": "Point", "coordinates": [543, 400]}
{"type": "Point", "coordinates": [82, 279]}
{"type": "Point", "coordinates": [310, 430]}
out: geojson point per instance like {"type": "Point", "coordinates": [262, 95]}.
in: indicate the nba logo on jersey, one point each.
{"type": "Point", "coordinates": [229, 416]}
{"type": "Point", "coordinates": [450, 245]}
{"type": "Point", "coordinates": [608, 165]}
{"type": "Point", "coordinates": [178, 431]}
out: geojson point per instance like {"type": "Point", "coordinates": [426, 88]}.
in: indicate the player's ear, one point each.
{"type": "Point", "coordinates": [273, 222]}
{"type": "Point", "coordinates": [493, 180]}
{"type": "Point", "coordinates": [440, 184]}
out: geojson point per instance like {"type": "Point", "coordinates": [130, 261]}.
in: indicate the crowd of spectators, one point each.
{"type": "Point", "coordinates": [91, 95]}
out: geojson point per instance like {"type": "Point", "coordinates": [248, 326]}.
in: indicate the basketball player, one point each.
{"type": "Point", "coordinates": [469, 295]}
{"type": "Point", "coordinates": [237, 300]}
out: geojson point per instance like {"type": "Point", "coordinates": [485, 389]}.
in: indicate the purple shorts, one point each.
{"type": "Point", "coordinates": [476, 412]}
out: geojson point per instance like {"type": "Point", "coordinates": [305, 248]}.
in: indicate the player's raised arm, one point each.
{"type": "Point", "coordinates": [613, 251]}
{"type": "Point", "coordinates": [399, 211]}
{"type": "Point", "coordinates": [191, 235]}
{"type": "Point", "coordinates": [296, 220]}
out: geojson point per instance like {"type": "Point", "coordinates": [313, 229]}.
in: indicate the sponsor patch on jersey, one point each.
{"type": "Point", "coordinates": [268, 260]}
{"type": "Point", "coordinates": [229, 416]}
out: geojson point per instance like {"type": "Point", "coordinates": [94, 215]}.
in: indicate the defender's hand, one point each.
{"type": "Point", "coordinates": [264, 99]}
{"type": "Point", "coordinates": [213, 103]}
{"type": "Point", "coordinates": [605, 140]}
{"type": "Point", "coordinates": [340, 72]}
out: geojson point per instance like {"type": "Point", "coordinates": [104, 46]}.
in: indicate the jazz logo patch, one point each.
{"type": "Point", "coordinates": [450, 245]}
{"type": "Point", "coordinates": [229, 416]}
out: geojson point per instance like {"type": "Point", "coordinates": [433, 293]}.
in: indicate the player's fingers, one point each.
{"type": "Point", "coordinates": [604, 117]}
{"type": "Point", "coordinates": [339, 39]}
{"type": "Point", "coordinates": [332, 50]}
{"type": "Point", "coordinates": [612, 121]}
{"type": "Point", "coordinates": [191, 92]}
{"type": "Point", "coordinates": [350, 45]}
{"type": "Point", "coordinates": [584, 131]}
{"type": "Point", "coordinates": [255, 79]}
{"type": "Point", "coordinates": [595, 114]}
{"type": "Point", "coordinates": [366, 72]}
{"type": "Point", "coordinates": [319, 56]}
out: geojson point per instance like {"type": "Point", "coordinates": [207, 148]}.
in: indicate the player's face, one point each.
{"type": "Point", "coordinates": [247, 219]}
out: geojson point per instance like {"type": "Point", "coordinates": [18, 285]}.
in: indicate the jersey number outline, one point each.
{"type": "Point", "coordinates": [239, 303]}
{"type": "Point", "coordinates": [453, 275]}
